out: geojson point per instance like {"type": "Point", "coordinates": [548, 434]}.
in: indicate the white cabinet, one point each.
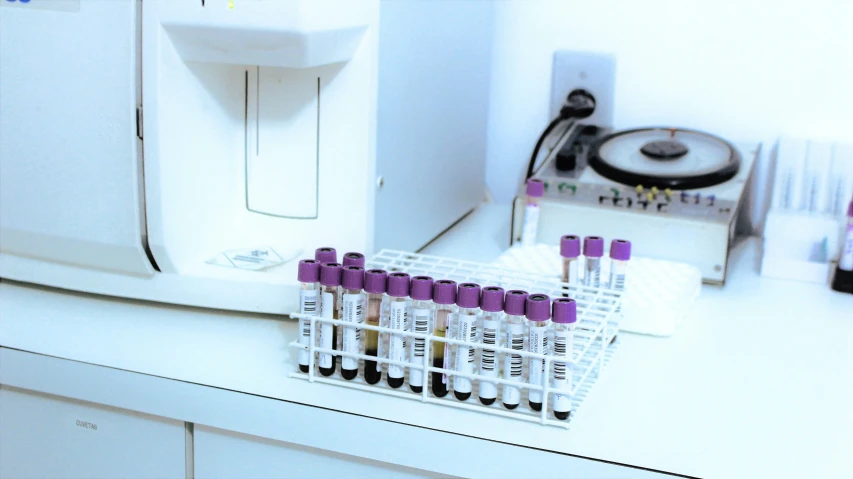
{"type": "Point", "coordinates": [43, 436]}
{"type": "Point", "coordinates": [223, 454]}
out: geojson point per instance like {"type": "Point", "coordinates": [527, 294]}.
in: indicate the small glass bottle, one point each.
{"type": "Point", "coordinates": [352, 281]}
{"type": "Point", "coordinates": [375, 284]}
{"type": "Point", "coordinates": [593, 249]}
{"type": "Point", "coordinates": [422, 311]}
{"type": "Point", "coordinates": [444, 297]}
{"type": "Point", "coordinates": [353, 259]}
{"type": "Point", "coordinates": [398, 292]}
{"type": "Point", "coordinates": [538, 312]}
{"type": "Point", "coordinates": [514, 308]}
{"type": "Point", "coordinates": [326, 254]}
{"type": "Point", "coordinates": [330, 280]}
{"type": "Point", "coordinates": [468, 300]}
{"type": "Point", "coordinates": [493, 307]}
{"type": "Point", "coordinates": [570, 250]}
{"type": "Point", "coordinates": [564, 316]}
{"type": "Point", "coordinates": [309, 289]}
{"type": "Point", "coordinates": [535, 191]}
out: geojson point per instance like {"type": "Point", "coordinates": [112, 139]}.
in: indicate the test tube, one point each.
{"type": "Point", "coordinates": [398, 291]}
{"type": "Point", "coordinates": [564, 316]}
{"type": "Point", "coordinates": [535, 191]}
{"type": "Point", "coordinates": [352, 281]}
{"type": "Point", "coordinates": [514, 309]}
{"type": "Point", "coordinates": [326, 254]}
{"type": "Point", "coordinates": [538, 311]}
{"type": "Point", "coordinates": [444, 297]}
{"type": "Point", "coordinates": [422, 311]}
{"type": "Point", "coordinates": [593, 249]}
{"type": "Point", "coordinates": [330, 280]}
{"type": "Point", "coordinates": [492, 306]}
{"type": "Point", "coordinates": [375, 284]}
{"type": "Point", "coordinates": [468, 300]}
{"type": "Point", "coordinates": [620, 253]}
{"type": "Point", "coordinates": [353, 259]}
{"type": "Point", "coordinates": [570, 250]}
{"type": "Point", "coordinates": [309, 279]}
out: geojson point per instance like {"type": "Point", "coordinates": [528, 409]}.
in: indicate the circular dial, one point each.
{"type": "Point", "coordinates": [665, 157]}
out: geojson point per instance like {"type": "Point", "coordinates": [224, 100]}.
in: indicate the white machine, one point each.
{"type": "Point", "coordinates": [190, 151]}
{"type": "Point", "coordinates": [676, 194]}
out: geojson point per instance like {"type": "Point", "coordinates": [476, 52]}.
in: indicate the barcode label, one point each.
{"type": "Point", "coordinates": [490, 337]}
{"type": "Point", "coordinates": [307, 305]}
{"type": "Point", "coordinates": [353, 313]}
{"type": "Point", "coordinates": [538, 344]}
{"type": "Point", "coordinates": [466, 331]}
{"type": "Point", "coordinates": [593, 276]}
{"type": "Point", "coordinates": [326, 329]}
{"type": "Point", "coordinates": [562, 379]}
{"type": "Point", "coordinates": [396, 346]}
{"type": "Point", "coordinates": [512, 362]}
{"type": "Point", "coordinates": [560, 340]}
{"type": "Point", "coordinates": [421, 327]}
{"type": "Point", "coordinates": [617, 282]}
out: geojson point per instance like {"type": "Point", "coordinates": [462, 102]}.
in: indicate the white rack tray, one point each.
{"type": "Point", "coordinates": [594, 340]}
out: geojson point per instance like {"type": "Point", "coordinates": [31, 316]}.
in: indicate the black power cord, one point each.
{"type": "Point", "coordinates": [579, 104]}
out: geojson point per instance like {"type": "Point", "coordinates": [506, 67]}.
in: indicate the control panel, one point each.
{"type": "Point", "coordinates": [640, 199]}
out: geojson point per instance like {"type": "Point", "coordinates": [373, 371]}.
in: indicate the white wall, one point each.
{"type": "Point", "coordinates": [743, 69]}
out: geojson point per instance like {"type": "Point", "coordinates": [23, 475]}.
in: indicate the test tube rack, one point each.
{"type": "Point", "coordinates": [594, 340]}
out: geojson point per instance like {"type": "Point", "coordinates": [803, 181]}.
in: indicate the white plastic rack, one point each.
{"type": "Point", "coordinates": [593, 345]}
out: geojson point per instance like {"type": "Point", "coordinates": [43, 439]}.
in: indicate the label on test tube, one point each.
{"type": "Point", "coordinates": [593, 272]}
{"type": "Point", "coordinates": [307, 305]}
{"type": "Point", "coordinates": [421, 318]}
{"type": "Point", "coordinates": [464, 363]}
{"type": "Point", "coordinates": [327, 329]}
{"type": "Point", "coordinates": [538, 344]}
{"type": "Point", "coordinates": [487, 359]}
{"type": "Point", "coordinates": [562, 379]}
{"type": "Point", "coordinates": [353, 311]}
{"type": "Point", "coordinates": [573, 272]}
{"type": "Point", "coordinates": [512, 363]}
{"type": "Point", "coordinates": [531, 225]}
{"type": "Point", "coordinates": [396, 348]}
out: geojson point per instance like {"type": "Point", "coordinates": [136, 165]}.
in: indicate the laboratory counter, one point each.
{"type": "Point", "coordinates": [757, 382]}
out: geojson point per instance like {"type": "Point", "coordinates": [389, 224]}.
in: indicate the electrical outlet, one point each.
{"type": "Point", "coordinates": [592, 71]}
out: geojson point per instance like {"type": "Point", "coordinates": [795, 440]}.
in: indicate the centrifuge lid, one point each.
{"type": "Point", "coordinates": [665, 157]}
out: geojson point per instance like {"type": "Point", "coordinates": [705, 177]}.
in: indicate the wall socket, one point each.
{"type": "Point", "coordinates": [592, 71]}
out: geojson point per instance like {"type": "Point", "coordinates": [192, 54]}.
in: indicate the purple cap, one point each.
{"type": "Point", "coordinates": [444, 291]}
{"type": "Point", "coordinates": [352, 277]}
{"type": "Point", "coordinates": [469, 295]}
{"type": "Point", "coordinates": [422, 288]}
{"type": "Point", "coordinates": [514, 303]}
{"type": "Point", "coordinates": [493, 299]}
{"type": "Point", "coordinates": [375, 281]}
{"type": "Point", "coordinates": [620, 249]}
{"type": "Point", "coordinates": [570, 246]}
{"type": "Point", "coordinates": [593, 246]}
{"type": "Point", "coordinates": [309, 271]}
{"type": "Point", "coordinates": [330, 274]}
{"type": "Point", "coordinates": [398, 284]}
{"type": "Point", "coordinates": [538, 307]}
{"type": "Point", "coordinates": [326, 255]}
{"type": "Point", "coordinates": [354, 259]}
{"type": "Point", "coordinates": [535, 188]}
{"type": "Point", "coordinates": [565, 310]}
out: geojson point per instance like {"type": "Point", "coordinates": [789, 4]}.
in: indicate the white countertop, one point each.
{"type": "Point", "coordinates": [758, 382]}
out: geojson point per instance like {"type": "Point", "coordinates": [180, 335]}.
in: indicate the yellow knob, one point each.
{"type": "Point", "coordinates": [639, 189]}
{"type": "Point", "coordinates": [650, 196]}
{"type": "Point", "coordinates": [230, 3]}
{"type": "Point", "coordinates": [667, 192]}
{"type": "Point", "coordinates": [655, 190]}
